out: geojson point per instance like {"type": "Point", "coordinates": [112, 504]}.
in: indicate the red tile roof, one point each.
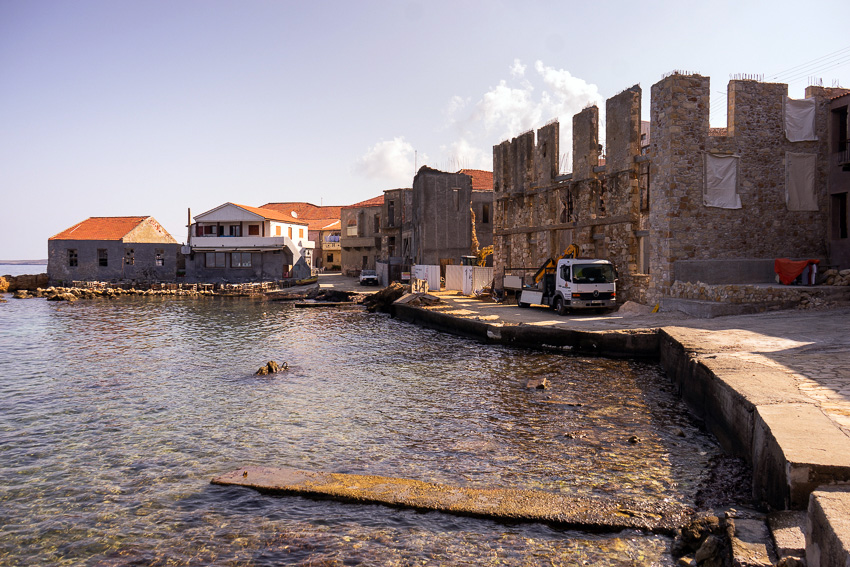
{"type": "Point", "coordinates": [315, 216]}
{"type": "Point", "coordinates": [481, 180]}
{"type": "Point", "coordinates": [100, 228]}
{"type": "Point", "coordinates": [373, 202]}
{"type": "Point", "coordinates": [271, 214]}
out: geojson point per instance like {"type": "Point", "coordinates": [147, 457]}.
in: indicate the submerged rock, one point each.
{"type": "Point", "coordinates": [271, 367]}
{"type": "Point", "coordinates": [537, 383]}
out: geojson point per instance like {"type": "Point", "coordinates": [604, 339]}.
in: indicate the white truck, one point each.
{"type": "Point", "coordinates": [572, 283]}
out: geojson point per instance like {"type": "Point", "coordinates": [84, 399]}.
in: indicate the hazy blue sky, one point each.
{"type": "Point", "coordinates": [111, 108]}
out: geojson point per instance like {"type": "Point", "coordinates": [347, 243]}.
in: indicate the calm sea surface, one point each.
{"type": "Point", "coordinates": [115, 415]}
{"type": "Point", "coordinates": [22, 269]}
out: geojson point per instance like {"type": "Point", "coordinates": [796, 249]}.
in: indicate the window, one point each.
{"type": "Point", "coordinates": [840, 122]}
{"type": "Point", "coordinates": [300, 233]}
{"type": "Point", "coordinates": [240, 259]}
{"type": "Point", "coordinates": [330, 258]}
{"type": "Point", "coordinates": [72, 257]}
{"type": "Point", "coordinates": [277, 230]}
{"type": "Point", "coordinates": [289, 232]}
{"type": "Point", "coordinates": [485, 213]}
{"type": "Point", "coordinates": [210, 230]}
{"type": "Point", "coordinates": [839, 216]}
{"type": "Point", "coordinates": [102, 257]}
{"type": "Point", "coordinates": [214, 259]}
{"type": "Point", "coordinates": [235, 230]}
{"type": "Point", "coordinates": [377, 224]}
{"type": "Point", "coordinates": [160, 258]}
{"type": "Point", "coordinates": [365, 261]}
{"type": "Point", "coordinates": [391, 213]}
{"type": "Point", "coordinates": [253, 230]}
{"type": "Point", "coordinates": [129, 256]}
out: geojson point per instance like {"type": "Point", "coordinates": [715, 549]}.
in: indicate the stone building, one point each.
{"type": "Point", "coordinates": [323, 223]}
{"type": "Point", "coordinates": [395, 256]}
{"type": "Point", "coordinates": [237, 243]}
{"type": "Point", "coordinates": [715, 205]}
{"type": "Point", "coordinates": [839, 180]}
{"type": "Point", "coordinates": [360, 239]}
{"type": "Point", "coordinates": [442, 206]}
{"type": "Point", "coordinates": [113, 249]}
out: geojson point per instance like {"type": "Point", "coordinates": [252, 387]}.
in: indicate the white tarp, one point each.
{"type": "Point", "coordinates": [721, 182]}
{"type": "Point", "coordinates": [800, 119]}
{"type": "Point", "coordinates": [454, 277]}
{"type": "Point", "coordinates": [476, 278]}
{"type": "Point", "coordinates": [800, 182]}
{"type": "Point", "coordinates": [429, 273]}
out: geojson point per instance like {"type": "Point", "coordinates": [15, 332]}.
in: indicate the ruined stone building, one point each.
{"type": "Point", "coordinates": [442, 209]}
{"type": "Point", "coordinates": [839, 180]}
{"type": "Point", "coordinates": [715, 205]}
{"type": "Point", "coordinates": [360, 238]}
{"type": "Point", "coordinates": [396, 234]}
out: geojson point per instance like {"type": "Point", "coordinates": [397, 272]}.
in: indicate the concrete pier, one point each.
{"type": "Point", "coordinates": [503, 504]}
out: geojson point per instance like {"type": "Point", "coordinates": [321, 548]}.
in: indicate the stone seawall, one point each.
{"type": "Point", "coordinates": [614, 344]}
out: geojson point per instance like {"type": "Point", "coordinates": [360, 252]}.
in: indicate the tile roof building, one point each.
{"type": "Point", "coordinates": [135, 248]}
{"type": "Point", "coordinates": [237, 243]}
{"type": "Point", "coordinates": [323, 222]}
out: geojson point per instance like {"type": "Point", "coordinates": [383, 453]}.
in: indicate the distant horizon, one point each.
{"type": "Point", "coordinates": [23, 262]}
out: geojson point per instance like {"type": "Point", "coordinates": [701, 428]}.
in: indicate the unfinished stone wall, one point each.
{"type": "Point", "coordinates": [596, 207]}
{"type": "Point", "coordinates": [682, 227]}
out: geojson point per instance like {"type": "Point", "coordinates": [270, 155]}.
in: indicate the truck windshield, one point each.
{"type": "Point", "coordinates": [593, 273]}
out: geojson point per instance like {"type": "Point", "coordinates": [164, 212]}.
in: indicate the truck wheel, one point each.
{"type": "Point", "coordinates": [523, 305]}
{"type": "Point", "coordinates": [560, 308]}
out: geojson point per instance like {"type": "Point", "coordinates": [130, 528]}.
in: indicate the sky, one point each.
{"type": "Point", "coordinates": [155, 107]}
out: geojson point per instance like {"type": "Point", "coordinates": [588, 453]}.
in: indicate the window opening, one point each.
{"type": "Point", "coordinates": [72, 257]}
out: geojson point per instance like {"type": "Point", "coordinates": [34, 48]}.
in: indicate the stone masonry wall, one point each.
{"type": "Point", "coordinates": [681, 226]}
{"type": "Point", "coordinates": [597, 207]}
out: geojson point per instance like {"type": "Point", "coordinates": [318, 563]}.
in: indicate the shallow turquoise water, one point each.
{"type": "Point", "coordinates": [114, 416]}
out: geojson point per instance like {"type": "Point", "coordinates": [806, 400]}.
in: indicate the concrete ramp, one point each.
{"type": "Point", "coordinates": [501, 504]}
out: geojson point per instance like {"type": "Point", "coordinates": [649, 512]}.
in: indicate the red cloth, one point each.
{"type": "Point", "coordinates": [788, 270]}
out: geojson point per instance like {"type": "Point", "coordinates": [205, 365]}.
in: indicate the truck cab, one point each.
{"type": "Point", "coordinates": [574, 283]}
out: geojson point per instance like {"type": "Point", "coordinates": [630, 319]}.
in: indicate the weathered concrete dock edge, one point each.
{"type": "Point", "coordinates": [501, 504]}
{"type": "Point", "coordinates": [614, 344]}
{"type": "Point", "coordinates": [758, 414]}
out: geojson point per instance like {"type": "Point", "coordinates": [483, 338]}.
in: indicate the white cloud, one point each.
{"type": "Point", "coordinates": [518, 69]}
{"type": "Point", "coordinates": [389, 160]}
{"type": "Point", "coordinates": [525, 101]}
{"type": "Point", "coordinates": [516, 105]}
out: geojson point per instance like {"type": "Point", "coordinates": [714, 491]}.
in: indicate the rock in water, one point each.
{"type": "Point", "coordinates": [271, 367]}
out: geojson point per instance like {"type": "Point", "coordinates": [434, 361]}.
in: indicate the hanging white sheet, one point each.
{"type": "Point", "coordinates": [800, 182]}
{"type": "Point", "coordinates": [721, 182]}
{"type": "Point", "coordinates": [800, 119]}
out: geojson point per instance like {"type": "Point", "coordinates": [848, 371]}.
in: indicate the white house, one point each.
{"type": "Point", "coordinates": [237, 243]}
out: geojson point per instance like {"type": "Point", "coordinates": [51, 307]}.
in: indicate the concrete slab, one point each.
{"type": "Point", "coordinates": [751, 543]}
{"type": "Point", "coordinates": [788, 530]}
{"type": "Point", "coordinates": [828, 530]}
{"type": "Point", "coordinates": [513, 505]}
{"type": "Point", "coordinates": [796, 449]}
